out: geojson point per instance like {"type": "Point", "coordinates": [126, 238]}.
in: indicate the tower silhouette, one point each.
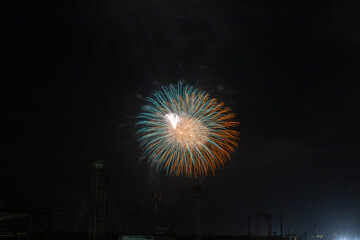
{"type": "Point", "coordinates": [98, 201]}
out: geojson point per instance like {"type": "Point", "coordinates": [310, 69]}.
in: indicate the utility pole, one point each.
{"type": "Point", "coordinates": [14, 222]}
{"type": "Point", "coordinates": [198, 192]}
{"type": "Point", "coordinates": [281, 227]}
{"type": "Point", "coordinates": [249, 226]}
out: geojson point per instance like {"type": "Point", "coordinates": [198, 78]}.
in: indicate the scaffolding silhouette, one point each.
{"type": "Point", "coordinates": [98, 202]}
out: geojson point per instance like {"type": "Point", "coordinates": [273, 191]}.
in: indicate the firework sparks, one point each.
{"type": "Point", "coordinates": [185, 132]}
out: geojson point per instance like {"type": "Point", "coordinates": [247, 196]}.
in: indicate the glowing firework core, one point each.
{"type": "Point", "coordinates": [185, 132]}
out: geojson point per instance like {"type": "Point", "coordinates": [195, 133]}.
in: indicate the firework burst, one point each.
{"type": "Point", "coordinates": [186, 132]}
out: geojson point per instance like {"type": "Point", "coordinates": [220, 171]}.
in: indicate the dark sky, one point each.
{"type": "Point", "coordinates": [77, 74]}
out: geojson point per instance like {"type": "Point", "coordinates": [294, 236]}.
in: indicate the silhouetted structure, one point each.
{"type": "Point", "coordinates": [198, 191]}
{"type": "Point", "coordinates": [98, 203]}
{"type": "Point", "coordinates": [19, 223]}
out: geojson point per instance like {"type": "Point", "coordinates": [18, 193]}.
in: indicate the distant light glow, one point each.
{"type": "Point", "coordinates": [185, 132]}
{"type": "Point", "coordinates": [347, 237]}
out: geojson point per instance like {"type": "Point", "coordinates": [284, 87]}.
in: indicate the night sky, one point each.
{"type": "Point", "coordinates": [74, 77]}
